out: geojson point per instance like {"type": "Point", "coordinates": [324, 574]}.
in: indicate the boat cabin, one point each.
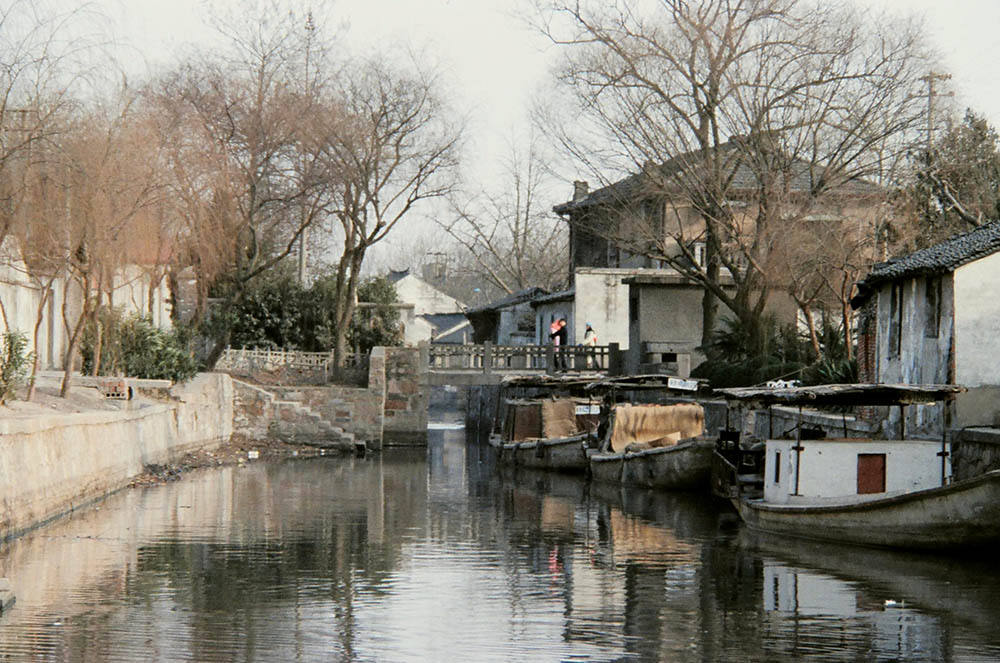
{"type": "Point", "coordinates": [817, 469]}
{"type": "Point", "coordinates": [825, 467]}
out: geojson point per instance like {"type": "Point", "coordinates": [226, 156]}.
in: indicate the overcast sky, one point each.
{"type": "Point", "coordinates": [495, 64]}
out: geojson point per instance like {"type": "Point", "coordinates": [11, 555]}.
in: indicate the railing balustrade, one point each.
{"type": "Point", "coordinates": [488, 358]}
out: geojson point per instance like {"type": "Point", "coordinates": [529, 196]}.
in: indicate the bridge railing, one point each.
{"type": "Point", "coordinates": [488, 358]}
{"type": "Point", "coordinates": [243, 361]}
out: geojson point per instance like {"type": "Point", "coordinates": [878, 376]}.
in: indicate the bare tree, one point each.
{"type": "Point", "coordinates": [738, 116]}
{"type": "Point", "coordinates": [247, 150]}
{"type": "Point", "coordinates": [510, 234]}
{"type": "Point", "coordinates": [392, 147]}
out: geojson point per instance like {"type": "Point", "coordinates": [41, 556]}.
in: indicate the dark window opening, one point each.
{"type": "Point", "coordinates": [932, 308]}
{"type": "Point", "coordinates": [777, 467]}
{"type": "Point", "coordinates": [896, 320]}
{"type": "Point", "coordinates": [633, 309]}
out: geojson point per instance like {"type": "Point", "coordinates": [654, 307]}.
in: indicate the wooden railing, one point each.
{"type": "Point", "coordinates": [488, 358]}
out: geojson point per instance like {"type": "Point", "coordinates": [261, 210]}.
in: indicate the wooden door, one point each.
{"type": "Point", "coordinates": [871, 473]}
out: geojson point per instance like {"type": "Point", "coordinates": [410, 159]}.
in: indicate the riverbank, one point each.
{"type": "Point", "coordinates": [239, 450]}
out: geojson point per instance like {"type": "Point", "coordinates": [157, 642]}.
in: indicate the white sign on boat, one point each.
{"type": "Point", "coordinates": [682, 385]}
{"type": "Point", "coordinates": [588, 409]}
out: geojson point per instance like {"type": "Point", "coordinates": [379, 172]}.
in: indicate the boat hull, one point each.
{"type": "Point", "coordinates": [963, 514]}
{"type": "Point", "coordinates": [559, 455]}
{"type": "Point", "coordinates": [684, 466]}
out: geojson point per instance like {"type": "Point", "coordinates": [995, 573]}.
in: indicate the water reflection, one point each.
{"type": "Point", "coordinates": [439, 554]}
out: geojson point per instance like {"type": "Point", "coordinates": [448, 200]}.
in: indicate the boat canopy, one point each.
{"type": "Point", "coordinates": [669, 383]}
{"type": "Point", "coordinates": [549, 381]}
{"type": "Point", "coordinates": [844, 394]}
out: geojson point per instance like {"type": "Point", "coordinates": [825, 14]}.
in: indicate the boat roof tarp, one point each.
{"type": "Point", "coordinates": [550, 381]}
{"type": "Point", "coordinates": [844, 394]}
{"type": "Point", "coordinates": [655, 425]}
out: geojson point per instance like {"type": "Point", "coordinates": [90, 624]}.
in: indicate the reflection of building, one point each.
{"type": "Point", "coordinates": [821, 603]}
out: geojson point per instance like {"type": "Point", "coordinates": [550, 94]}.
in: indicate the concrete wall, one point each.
{"type": "Point", "coordinates": [667, 314]}
{"type": "Point", "coordinates": [53, 465]}
{"type": "Point", "coordinates": [601, 300]}
{"type": "Point", "coordinates": [975, 451]}
{"type": "Point", "coordinates": [977, 341]}
{"type": "Point", "coordinates": [829, 468]}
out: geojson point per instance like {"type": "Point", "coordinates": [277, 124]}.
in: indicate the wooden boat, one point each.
{"type": "Point", "coordinates": [961, 514]}
{"type": "Point", "coordinates": [550, 429]}
{"type": "Point", "coordinates": [908, 502]}
{"type": "Point", "coordinates": [653, 445]}
{"type": "Point", "coordinates": [682, 466]}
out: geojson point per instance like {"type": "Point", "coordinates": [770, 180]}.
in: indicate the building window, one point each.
{"type": "Point", "coordinates": [698, 250]}
{"type": "Point", "coordinates": [932, 308]}
{"type": "Point", "coordinates": [777, 467]}
{"type": "Point", "coordinates": [896, 320]}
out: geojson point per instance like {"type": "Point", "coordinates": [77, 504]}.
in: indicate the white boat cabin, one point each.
{"type": "Point", "coordinates": [859, 469]}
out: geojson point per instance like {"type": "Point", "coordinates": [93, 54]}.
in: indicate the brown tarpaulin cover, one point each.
{"type": "Point", "coordinates": [559, 418]}
{"type": "Point", "coordinates": [655, 425]}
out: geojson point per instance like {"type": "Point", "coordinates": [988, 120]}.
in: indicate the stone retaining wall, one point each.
{"type": "Point", "coordinates": [974, 451]}
{"type": "Point", "coordinates": [391, 410]}
{"type": "Point", "coordinates": [53, 465]}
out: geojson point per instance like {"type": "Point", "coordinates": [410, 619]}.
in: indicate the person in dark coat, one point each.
{"type": "Point", "coordinates": [560, 338]}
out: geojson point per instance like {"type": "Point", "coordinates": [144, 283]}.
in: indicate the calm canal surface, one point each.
{"type": "Point", "coordinates": [434, 555]}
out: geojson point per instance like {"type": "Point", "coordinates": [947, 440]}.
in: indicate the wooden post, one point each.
{"type": "Point", "coordinates": [550, 359]}
{"type": "Point", "coordinates": [798, 451]}
{"type": "Point", "coordinates": [487, 357]}
{"type": "Point", "coordinates": [945, 423]}
{"type": "Point", "coordinates": [615, 366]}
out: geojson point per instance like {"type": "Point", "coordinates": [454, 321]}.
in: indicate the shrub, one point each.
{"type": "Point", "coordinates": [134, 347]}
{"type": "Point", "coordinates": [15, 362]}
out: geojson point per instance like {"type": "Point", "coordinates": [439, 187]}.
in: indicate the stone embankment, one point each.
{"type": "Point", "coordinates": [58, 462]}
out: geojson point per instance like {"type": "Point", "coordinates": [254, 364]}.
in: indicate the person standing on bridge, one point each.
{"type": "Point", "coordinates": [590, 340]}
{"type": "Point", "coordinates": [560, 337]}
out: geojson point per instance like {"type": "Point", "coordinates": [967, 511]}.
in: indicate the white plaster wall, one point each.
{"type": "Point", "coordinates": [602, 300]}
{"type": "Point", "coordinates": [829, 468]}
{"type": "Point", "coordinates": [977, 322]}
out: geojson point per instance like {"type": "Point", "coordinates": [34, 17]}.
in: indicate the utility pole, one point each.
{"type": "Point", "coordinates": [931, 79]}
{"type": "Point", "coordinates": [310, 28]}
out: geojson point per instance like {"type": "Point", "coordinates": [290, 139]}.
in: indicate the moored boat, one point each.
{"type": "Point", "coordinates": [891, 493]}
{"type": "Point", "coordinates": [658, 446]}
{"type": "Point", "coordinates": [551, 429]}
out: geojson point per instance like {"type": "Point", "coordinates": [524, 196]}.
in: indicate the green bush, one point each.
{"type": "Point", "coordinates": [133, 346]}
{"type": "Point", "coordinates": [15, 363]}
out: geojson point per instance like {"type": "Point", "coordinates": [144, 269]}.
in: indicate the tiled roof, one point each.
{"type": "Point", "coordinates": [942, 258]}
{"type": "Point", "coordinates": [562, 295]}
{"type": "Point", "coordinates": [512, 299]}
{"type": "Point", "coordinates": [743, 178]}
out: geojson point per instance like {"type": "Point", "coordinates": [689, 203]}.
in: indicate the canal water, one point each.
{"type": "Point", "coordinates": [437, 555]}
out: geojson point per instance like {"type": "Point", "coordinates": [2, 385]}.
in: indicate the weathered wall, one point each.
{"type": "Point", "coordinates": [975, 451]}
{"type": "Point", "coordinates": [602, 300]}
{"type": "Point", "coordinates": [391, 410]}
{"type": "Point", "coordinates": [53, 465]}
{"type": "Point", "coordinates": [406, 399]}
